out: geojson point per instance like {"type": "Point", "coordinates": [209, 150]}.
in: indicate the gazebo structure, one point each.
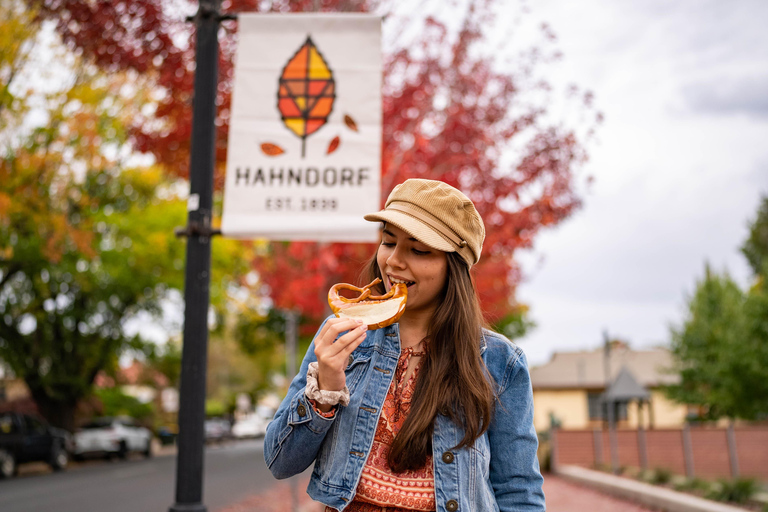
{"type": "Point", "coordinates": [625, 389]}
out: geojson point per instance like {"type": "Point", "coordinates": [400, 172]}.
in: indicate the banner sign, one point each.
{"type": "Point", "coordinates": [304, 149]}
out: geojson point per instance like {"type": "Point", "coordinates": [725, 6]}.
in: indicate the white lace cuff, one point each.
{"type": "Point", "coordinates": [321, 396]}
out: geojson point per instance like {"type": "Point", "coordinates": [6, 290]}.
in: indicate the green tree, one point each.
{"type": "Point", "coordinates": [755, 249]}
{"type": "Point", "coordinates": [751, 365]}
{"type": "Point", "coordinates": [752, 359]}
{"type": "Point", "coordinates": [117, 403]}
{"type": "Point", "coordinates": [708, 347]}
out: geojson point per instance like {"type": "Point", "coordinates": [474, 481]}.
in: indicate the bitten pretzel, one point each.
{"type": "Point", "coordinates": [376, 311]}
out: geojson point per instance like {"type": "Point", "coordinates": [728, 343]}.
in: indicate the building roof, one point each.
{"type": "Point", "coordinates": [625, 387]}
{"type": "Point", "coordinates": [586, 369]}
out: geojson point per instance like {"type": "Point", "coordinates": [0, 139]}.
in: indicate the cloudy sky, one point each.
{"type": "Point", "coordinates": [679, 167]}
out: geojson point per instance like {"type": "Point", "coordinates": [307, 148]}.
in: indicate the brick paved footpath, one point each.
{"type": "Point", "coordinates": [562, 496]}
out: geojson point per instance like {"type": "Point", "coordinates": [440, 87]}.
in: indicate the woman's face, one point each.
{"type": "Point", "coordinates": [402, 258]}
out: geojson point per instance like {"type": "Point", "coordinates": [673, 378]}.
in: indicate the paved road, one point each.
{"type": "Point", "coordinates": [233, 472]}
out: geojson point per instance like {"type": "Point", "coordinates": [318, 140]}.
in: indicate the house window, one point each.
{"type": "Point", "coordinates": [595, 405]}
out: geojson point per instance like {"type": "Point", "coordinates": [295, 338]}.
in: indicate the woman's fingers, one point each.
{"type": "Point", "coordinates": [333, 341]}
{"type": "Point", "coordinates": [331, 374]}
{"type": "Point", "coordinates": [341, 343]}
{"type": "Point", "coordinates": [333, 350]}
{"type": "Point", "coordinates": [354, 343]}
{"type": "Point", "coordinates": [339, 351]}
{"type": "Point", "coordinates": [333, 328]}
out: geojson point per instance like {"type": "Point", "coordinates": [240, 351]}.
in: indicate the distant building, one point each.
{"type": "Point", "coordinates": [136, 380]}
{"type": "Point", "coordinates": [569, 388]}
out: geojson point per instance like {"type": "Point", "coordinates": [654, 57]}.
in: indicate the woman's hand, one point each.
{"type": "Point", "coordinates": [333, 352]}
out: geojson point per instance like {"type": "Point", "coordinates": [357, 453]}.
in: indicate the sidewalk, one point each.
{"type": "Point", "coordinates": [278, 499]}
{"type": "Point", "coordinates": [641, 492]}
{"type": "Point", "coordinates": [562, 496]}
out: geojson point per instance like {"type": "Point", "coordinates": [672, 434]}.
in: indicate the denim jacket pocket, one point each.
{"type": "Point", "coordinates": [358, 362]}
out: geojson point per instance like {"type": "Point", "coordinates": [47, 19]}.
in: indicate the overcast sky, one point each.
{"type": "Point", "coordinates": [679, 167]}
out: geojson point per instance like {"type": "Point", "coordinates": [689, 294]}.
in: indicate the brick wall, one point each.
{"type": "Point", "coordinates": [752, 448]}
{"type": "Point", "coordinates": [626, 441]}
{"type": "Point", "coordinates": [710, 453]}
{"type": "Point", "coordinates": [665, 448]}
{"type": "Point", "coordinates": [575, 447]}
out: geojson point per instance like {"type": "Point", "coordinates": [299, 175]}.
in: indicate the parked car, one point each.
{"type": "Point", "coordinates": [250, 426]}
{"type": "Point", "coordinates": [217, 430]}
{"type": "Point", "coordinates": [26, 438]}
{"type": "Point", "coordinates": [112, 436]}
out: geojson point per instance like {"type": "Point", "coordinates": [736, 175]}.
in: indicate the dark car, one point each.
{"type": "Point", "coordinates": [26, 438]}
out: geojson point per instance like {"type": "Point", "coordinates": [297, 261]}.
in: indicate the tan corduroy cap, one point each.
{"type": "Point", "coordinates": [436, 214]}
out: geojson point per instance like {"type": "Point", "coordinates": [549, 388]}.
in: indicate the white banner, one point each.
{"type": "Point", "coordinates": [304, 154]}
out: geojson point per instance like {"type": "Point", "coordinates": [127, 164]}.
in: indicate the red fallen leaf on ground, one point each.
{"type": "Point", "coordinates": [271, 149]}
{"type": "Point", "coordinates": [351, 124]}
{"type": "Point", "coordinates": [334, 145]}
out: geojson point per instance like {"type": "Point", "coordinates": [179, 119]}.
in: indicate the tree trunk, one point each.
{"type": "Point", "coordinates": [59, 413]}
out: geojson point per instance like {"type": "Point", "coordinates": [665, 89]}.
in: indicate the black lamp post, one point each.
{"type": "Point", "coordinates": [189, 462]}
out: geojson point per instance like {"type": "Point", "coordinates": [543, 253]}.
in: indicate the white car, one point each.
{"type": "Point", "coordinates": [252, 425]}
{"type": "Point", "coordinates": [112, 436]}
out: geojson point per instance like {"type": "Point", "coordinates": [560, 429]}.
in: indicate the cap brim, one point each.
{"type": "Point", "coordinates": [414, 227]}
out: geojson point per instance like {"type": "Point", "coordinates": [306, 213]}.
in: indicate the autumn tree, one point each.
{"type": "Point", "coordinates": [86, 233]}
{"type": "Point", "coordinates": [452, 110]}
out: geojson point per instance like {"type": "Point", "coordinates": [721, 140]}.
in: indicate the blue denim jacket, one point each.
{"type": "Point", "coordinates": [499, 473]}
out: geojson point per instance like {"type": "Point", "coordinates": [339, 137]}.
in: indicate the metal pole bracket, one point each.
{"type": "Point", "coordinates": [205, 12]}
{"type": "Point", "coordinates": [195, 228]}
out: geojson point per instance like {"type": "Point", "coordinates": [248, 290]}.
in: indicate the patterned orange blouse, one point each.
{"type": "Point", "coordinates": [380, 489]}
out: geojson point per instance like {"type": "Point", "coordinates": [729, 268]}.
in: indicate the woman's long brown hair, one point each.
{"type": "Point", "coordinates": [453, 379]}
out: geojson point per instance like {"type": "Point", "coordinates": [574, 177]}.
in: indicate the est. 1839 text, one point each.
{"type": "Point", "coordinates": [303, 204]}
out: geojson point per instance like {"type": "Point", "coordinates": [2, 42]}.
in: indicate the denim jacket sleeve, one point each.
{"type": "Point", "coordinates": [296, 433]}
{"type": "Point", "coordinates": [514, 468]}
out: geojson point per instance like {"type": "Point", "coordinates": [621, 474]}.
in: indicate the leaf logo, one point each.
{"type": "Point", "coordinates": [306, 92]}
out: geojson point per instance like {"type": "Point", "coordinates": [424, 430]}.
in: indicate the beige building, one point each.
{"type": "Point", "coordinates": [570, 386]}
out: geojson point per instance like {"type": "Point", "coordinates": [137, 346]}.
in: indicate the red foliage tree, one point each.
{"type": "Point", "coordinates": [449, 113]}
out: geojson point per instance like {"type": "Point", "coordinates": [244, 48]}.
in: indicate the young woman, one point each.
{"type": "Point", "coordinates": [433, 413]}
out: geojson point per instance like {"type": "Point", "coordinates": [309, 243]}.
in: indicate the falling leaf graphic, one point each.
{"type": "Point", "coordinates": [271, 149]}
{"type": "Point", "coordinates": [351, 124]}
{"type": "Point", "coordinates": [334, 145]}
{"type": "Point", "coordinates": [306, 92]}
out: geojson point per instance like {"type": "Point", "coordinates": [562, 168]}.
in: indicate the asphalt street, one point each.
{"type": "Point", "coordinates": [233, 472]}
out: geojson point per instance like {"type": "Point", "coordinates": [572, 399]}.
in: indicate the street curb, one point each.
{"type": "Point", "coordinates": [639, 492]}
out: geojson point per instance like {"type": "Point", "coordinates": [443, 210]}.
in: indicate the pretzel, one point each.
{"type": "Point", "coordinates": [376, 311]}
